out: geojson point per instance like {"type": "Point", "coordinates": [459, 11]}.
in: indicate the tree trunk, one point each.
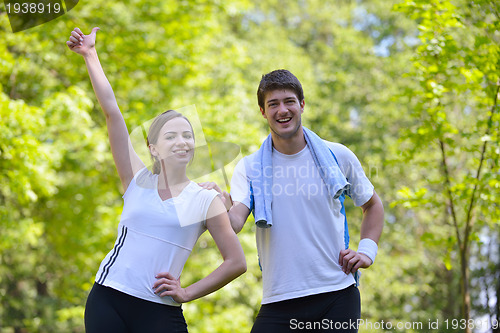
{"type": "Point", "coordinates": [465, 272]}
{"type": "Point", "coordinates": [496, 318]}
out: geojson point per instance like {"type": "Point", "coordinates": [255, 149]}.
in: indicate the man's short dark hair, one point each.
{"type": "Point", "coordinates": [280, 79]}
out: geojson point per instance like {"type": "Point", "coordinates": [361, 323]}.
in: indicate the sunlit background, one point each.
{"type": "Point", "coordinates": [410, 86]}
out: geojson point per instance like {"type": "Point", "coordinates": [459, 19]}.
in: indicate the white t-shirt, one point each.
{"type": "Point", "coordinates": [299, 254]}
{"type": "Point", "coordinates": [154, 236]}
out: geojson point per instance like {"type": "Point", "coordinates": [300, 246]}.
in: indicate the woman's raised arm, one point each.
{"type": "Point", "coordinates": [126, 160]}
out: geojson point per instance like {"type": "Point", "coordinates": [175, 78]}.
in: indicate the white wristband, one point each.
{"type": "Point", "coordinates": [369, 248]}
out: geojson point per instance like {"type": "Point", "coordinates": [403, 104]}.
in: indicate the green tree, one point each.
{"type": "Point", "coordinates": [402, 88]}
{"type": "Point", "coordinates": [455, 131]}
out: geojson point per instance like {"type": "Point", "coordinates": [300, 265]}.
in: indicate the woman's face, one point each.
{"type": "Point", "coordinates": [175, 143]}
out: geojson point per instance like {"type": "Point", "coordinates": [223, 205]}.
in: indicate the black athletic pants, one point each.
{"type": "Point", "coordinates": [111, 311]}
{"type": "Point", "coordinates": [336, 311]}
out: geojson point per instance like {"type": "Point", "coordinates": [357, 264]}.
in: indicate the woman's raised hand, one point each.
{"type": "Point", "coordinates": [80, 43]}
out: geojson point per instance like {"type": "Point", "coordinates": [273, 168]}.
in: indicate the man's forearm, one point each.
{"type": "Point", "coordinates": [238, 215]}
{"type": "Point", "coordinates": [373, 219]}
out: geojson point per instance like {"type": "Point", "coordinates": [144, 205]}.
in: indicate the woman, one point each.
{"type": "Point", "coordinates": [137, 287]}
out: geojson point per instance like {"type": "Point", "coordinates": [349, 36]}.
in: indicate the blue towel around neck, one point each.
{"type": "Point", "coordinates": [260, 175]}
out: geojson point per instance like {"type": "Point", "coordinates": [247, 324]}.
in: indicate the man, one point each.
{"type": "Point", "coordinates": [294, 188]}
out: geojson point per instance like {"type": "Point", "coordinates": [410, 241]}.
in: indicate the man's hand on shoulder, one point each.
{"type": "Point", "coordinates": [224, 196]}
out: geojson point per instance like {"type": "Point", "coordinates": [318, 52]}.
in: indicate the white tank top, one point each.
{"type": "Point", "coordinates": [154, 236]}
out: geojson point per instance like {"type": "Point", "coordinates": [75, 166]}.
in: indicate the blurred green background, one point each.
{"type": "Point", "coordinates": [410, 86]}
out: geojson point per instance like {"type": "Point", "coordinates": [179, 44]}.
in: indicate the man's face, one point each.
{"type": "Point", "coordinates": [283, 111]}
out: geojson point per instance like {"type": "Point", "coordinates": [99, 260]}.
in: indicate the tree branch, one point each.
{"type": "Point", "coordinates": [448, 190]}
{"type": "Point", "coordinates": [469, 222]}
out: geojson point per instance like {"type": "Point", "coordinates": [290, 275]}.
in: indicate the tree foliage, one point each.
{"type": "Point", "coordinates": [410, 86]}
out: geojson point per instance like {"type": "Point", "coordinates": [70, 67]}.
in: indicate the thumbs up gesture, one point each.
{"type": "Point", "coordinates": [80, 43]}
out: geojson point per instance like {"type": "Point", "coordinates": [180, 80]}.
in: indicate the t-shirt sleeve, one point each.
{"type": "Point", "coordinates": [240, 190]}
{"type": "Point", "coordinates": [142, 178]}
{"type": "Point", "coordinates": [208, 199]}
{"type": "Point", "coordinates": [361, 189]}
